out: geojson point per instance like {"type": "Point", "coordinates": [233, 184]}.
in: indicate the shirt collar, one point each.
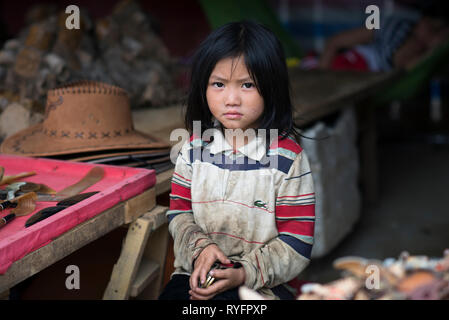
{"type": "Point", "coordinates": [254, 149]}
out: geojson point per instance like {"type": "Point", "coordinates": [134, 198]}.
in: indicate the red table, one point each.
{"type": "Point", "coordinates": [125, 195]}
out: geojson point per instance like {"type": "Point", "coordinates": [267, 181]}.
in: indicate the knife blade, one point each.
{"type": "Point", "coordinates": [61, 205]}
{"type": "Point", "coordinates": [45, 197]}
{"type": "Point", "coordinates": [48, 197]}
{"type": "Point", "coordinates": [70, 201]}
{"type": "Point", "coordinates": [92, 177]}
{"type": "Point", "coordinates": [43, 214]}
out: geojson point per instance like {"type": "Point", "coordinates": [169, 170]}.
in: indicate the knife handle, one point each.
{"type": "Point", "coordinates": [7, 219]}
{"type": "Point", "coordinates": [7, 204]}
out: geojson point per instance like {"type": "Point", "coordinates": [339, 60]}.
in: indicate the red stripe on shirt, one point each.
{"type": "Point", "coordinates": [178, 190]}
{"type": "Point", "coordinates": [287, 144]}
{"type": "Point", "coordinates": [193, 137]}
{"type": "Point", "coordinates": [180, 204]}
{"type": "Point", "coordinates": [181, 177]}
{"type": "Point", "coordinates": [304, 228]}
{"type": "Point", "coordinates": [295, 211]}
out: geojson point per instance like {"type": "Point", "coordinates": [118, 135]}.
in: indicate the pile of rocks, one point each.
{"type": "Point", "coordinates": [121, 49]}
{"type": "Point", "coordinates": [135, 58]}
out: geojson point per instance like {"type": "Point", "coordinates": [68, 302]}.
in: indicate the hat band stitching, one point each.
{"type": "Point", "coordinates": [88, 86]}
{"type": "Point", "coordinates": [80, 134]}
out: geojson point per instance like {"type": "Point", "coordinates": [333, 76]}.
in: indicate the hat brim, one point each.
{"type": "Point", "coordinates": [34, 142]}
{"type": "Point", "coordinates": [148, 154]}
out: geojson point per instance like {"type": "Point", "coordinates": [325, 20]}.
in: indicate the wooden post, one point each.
{"type": "Point", "coordinates": [131, 273]}
{"type": "Point", "coordinates": [140, 204]}
{"type": "Point", "coordinates": [155, 253]}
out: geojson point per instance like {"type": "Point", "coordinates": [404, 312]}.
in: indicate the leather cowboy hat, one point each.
{"type": "Point", "coordinates": [84, 118]}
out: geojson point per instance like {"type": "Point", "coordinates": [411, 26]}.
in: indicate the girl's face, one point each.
{"type": "Point", "coordinates": [232, 96]}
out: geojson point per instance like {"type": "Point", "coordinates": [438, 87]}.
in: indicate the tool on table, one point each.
{"type": "Point", "coordinates": [10, 179]}
{"type": "Point", "coordinates": [22, 205]}
{"type": "Point", "coordinates": [66, 197]}
{"type": "Point", "coordinates": [61, 205]}
{"type": "Point", "coordinates": [43, 197]}
{"type": "Point", "coordinates": [47, 194]}
{"type": "Point", "coordinates": [20, 188]}
{"type": "Point", "coordinates": [92, 177]}
{"type": "Point", "coordinates": [10, 191]}
{"type": "Point", "coordinates": [218, 265]}
{"type": "Point", "coordinates": [36, 187]}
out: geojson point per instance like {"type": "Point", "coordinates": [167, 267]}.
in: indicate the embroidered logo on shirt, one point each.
{"type": "Point", "coordinates": [260, 204]}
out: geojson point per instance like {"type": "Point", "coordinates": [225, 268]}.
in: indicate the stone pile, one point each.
{"type": "Point", "coordinates": [121, 49]}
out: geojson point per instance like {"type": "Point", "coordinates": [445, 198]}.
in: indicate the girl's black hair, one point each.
{"type": "Point", "coordinates": [266, 64]}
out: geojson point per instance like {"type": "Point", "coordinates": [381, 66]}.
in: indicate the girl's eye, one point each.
{"type": "Point", "coordinates": [217, 84]}
{"type": "Point", "coordinates": [248, 85]}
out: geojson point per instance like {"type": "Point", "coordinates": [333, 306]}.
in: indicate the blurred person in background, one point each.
{"type": "Point", "coordinates": [399, 43]}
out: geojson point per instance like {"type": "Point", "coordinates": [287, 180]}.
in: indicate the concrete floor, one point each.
{"type": "Point", "coordinates": [411, 214]}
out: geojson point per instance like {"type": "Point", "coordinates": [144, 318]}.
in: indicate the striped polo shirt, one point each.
{"type": "Point", "coordinates": [257, 205]}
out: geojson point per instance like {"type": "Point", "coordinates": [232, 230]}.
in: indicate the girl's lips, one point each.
{"type": "Point", "coordinates": [233, 115]}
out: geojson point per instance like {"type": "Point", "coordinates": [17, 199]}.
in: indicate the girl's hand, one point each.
{"type": "Point", "coordinates": [204, 262]}
{"type": "Point", "coordinates": [225, 279]}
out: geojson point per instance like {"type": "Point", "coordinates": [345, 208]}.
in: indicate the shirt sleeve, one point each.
{"type": "Point", "coordinates": [393, 32]}
{"type": "Point", "coordinates": [185, 232]}
{"type": "Point", "coordinates": [287, 255]}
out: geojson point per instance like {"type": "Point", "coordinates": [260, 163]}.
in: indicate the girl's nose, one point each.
{"type": "Point", "coordinates": [232, 97]}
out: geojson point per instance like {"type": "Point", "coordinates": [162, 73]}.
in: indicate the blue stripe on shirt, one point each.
{"type": "Point", "coordinates": [239, 164]}
{"type": "Point", "coordinates": [299, 246]}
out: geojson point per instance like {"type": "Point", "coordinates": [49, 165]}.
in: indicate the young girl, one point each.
{"type": "Point", "coordinates": [228, 204]}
